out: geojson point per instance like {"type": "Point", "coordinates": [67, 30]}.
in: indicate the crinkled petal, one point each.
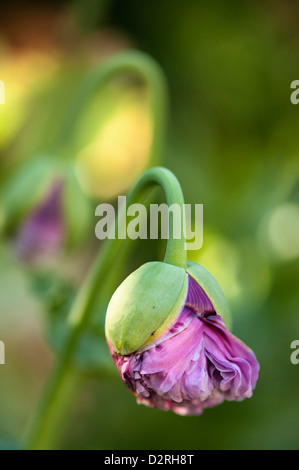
{"type": "Point", "coordinates": [196, 364]}
{"type": "Point", "coordinates": [43, 230]}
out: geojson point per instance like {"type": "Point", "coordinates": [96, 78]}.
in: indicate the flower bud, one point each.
{"type": "Point", "coordinates": [42, 231]}
{"type": "Point", "coordinates": [167, 333]}
{"type": "Point", "coordinates": [58, 214]}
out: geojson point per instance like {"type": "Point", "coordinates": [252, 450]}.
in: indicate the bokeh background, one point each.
{"type": "Point", "coordinates": [232, 140]}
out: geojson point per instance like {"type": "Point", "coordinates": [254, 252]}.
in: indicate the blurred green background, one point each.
{"type": "Point", "coordinates": [231, 140]}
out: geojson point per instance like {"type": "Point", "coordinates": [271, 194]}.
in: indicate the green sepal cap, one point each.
{"type": "Point", "coordinates": [145, 305]}
{"type": "Point", "coordinates": [211, 287]}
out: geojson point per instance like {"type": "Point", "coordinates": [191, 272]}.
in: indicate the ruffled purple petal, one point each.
{"type": "Point", "coordinates": [43, 230]}
{"type": "Point", "coordinates": [197, 364]}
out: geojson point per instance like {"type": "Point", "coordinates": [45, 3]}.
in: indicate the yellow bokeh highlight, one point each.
{"type": "Point", "coordinates": [109, 165]}
{"type": "Point", "coordinates": [21, 74]}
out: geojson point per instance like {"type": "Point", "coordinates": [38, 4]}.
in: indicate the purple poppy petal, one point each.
{"type": "Point", "coordinates": [196, 364]}
{"type": "Point", "coordinates": [43, 230]}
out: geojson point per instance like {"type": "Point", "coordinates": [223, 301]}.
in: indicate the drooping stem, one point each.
{"type": "Point", "coordinates": [175, 248]}
{"type": "Point", "coordinates": [128, 62]}
{"type": "Point", "coordinates": [43, 426]}
{"type": "Point", "coordinates": [21, 191]}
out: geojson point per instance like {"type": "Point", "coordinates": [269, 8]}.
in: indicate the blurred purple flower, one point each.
{"type": "Point", "coordinates": [42, 232]}
{"type": "Point", "coordinates": [197, 364]}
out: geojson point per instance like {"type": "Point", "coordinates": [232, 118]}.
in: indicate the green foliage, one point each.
{"type": "Point", "coordinates": [78, 214]}
{"type": "Point", "coordinates": [25, 187]}
{"type": "Point", "coordinates": [57, 296]}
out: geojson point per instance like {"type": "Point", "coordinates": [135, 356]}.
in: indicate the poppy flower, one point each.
{"type": "Point", "coordinates": [167, 331]}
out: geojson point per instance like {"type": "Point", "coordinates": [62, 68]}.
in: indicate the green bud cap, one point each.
{"type": "Point", "coordinates": [211, 287]}
{"type": "Point", "coordinates": [145, 305]}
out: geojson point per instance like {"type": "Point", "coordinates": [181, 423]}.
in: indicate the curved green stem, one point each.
{"type": "Point", "coordinates": [175, 248]}
{"type": "Point", "coordinates": [44, 424]}
{"type": "Point", "coordinates": [21, 191]}
{"type": "Point", "coordinates": [133, 62]}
